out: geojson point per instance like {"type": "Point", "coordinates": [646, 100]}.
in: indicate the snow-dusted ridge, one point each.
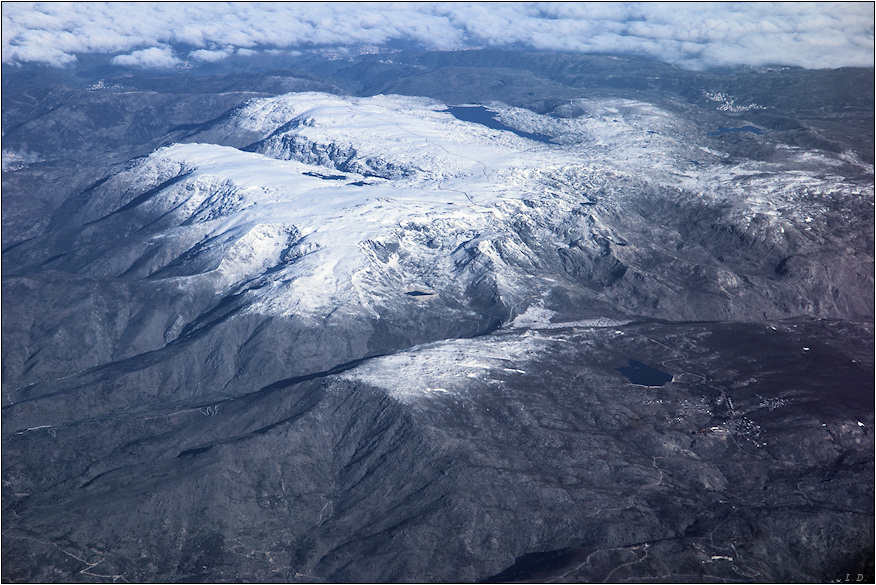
{"type": "Point", "coordinates": [449, 367]}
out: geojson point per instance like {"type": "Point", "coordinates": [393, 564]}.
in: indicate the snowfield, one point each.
{"type": "Point", "coordinates": [352, 202]}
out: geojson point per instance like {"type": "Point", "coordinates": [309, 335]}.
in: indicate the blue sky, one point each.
{"type": "Point", "coordinates": [692, 35]}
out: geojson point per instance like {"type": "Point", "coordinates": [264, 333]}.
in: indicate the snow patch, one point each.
{"type": "Point", "coordinates": [450, 367]}
{"type": "Point", "coordinates": [533, 317]}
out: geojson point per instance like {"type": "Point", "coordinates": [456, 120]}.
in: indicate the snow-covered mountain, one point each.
{"type": "Point", "coordinates": [356, 203]}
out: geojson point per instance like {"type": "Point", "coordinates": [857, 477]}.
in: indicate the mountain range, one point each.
{"type": "Point", "coordinates": [472, 316]}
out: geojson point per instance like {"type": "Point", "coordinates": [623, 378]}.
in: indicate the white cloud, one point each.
{"type": "Point", "coordinates": [208, 56]}
{"type": "Point", "coordinates": [693, 35]}
{"type": "Point", "coordinates": [153, 57]}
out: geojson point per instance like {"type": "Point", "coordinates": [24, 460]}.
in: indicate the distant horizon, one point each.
{"type": "Point", "coordinates": [694, 36]}
{"type": "Point", "coordinates": [278, 60]}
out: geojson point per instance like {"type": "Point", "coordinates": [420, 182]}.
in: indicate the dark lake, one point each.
{"type": "Point", "coordinates": [752, 129]}
{"type": "Point", "coordinates": [328, 177]}
{"type": "Point", "coordinates": [485, 117]}
{"type": "Point", "coordinates": [643, 375]}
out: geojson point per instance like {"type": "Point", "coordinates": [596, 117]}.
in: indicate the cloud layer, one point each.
{"type": "Point", "coordinates": [693, 35]}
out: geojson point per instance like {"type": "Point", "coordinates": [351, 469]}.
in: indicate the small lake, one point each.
{"type": "Point", "coordinates": [752, 129]}
{"type": "Point", "coordinates": [327, 177]}
{"type": "Point", "coordinates": [643, 374]}
{"type": "Point", "coordinates": [485, 117]}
